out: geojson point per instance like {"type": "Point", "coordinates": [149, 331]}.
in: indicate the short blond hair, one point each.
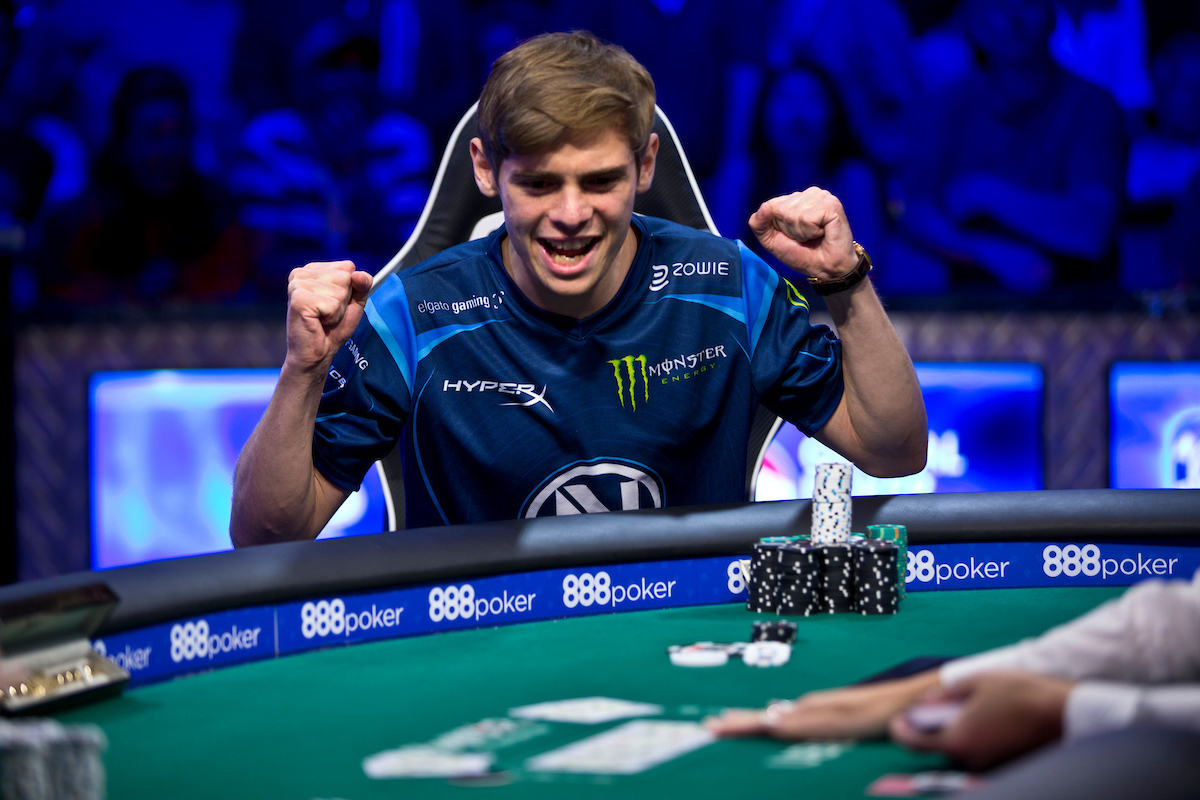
{"type": "Point", "coordinates": [558, 84]}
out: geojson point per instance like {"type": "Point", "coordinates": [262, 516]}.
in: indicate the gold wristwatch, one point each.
{"type": "Point", "coordinates": [848, 280]}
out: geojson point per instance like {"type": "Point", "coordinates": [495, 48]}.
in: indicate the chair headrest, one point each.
{"type": "Point", "coordinates": [457, 212]}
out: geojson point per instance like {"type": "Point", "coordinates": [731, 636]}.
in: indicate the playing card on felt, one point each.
{"type": "Point", "coordinates": [627, 749]}
{"type": "Point", "coordinates": [585, 710]}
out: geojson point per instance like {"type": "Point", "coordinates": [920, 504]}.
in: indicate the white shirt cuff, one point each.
{"type": "Point", "coordinates": [1002, 658]}
{"type": "Point", "coordinates": [1098, 706]}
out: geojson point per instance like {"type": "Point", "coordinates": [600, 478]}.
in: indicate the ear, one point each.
{"type": "Point", "coordinates": [646, 168]}
{"type": "Point", "coordinates": [485, 179]}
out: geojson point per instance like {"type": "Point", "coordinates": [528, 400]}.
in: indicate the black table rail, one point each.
{"type": "Point", "coordinates": [166, 590]}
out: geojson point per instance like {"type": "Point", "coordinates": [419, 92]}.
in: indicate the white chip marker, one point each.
{"type": "Point", "coordinates": [767, 654]}
{"type": "Point", "coordinates": [700, 658]}
{"type": "Point", "coordinates": [421, 761]}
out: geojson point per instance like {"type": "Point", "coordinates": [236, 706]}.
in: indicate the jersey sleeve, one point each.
{"type": "Point", "coordinates": [796, 366]}
{"type": "Point", "coordinates": [367, 395]}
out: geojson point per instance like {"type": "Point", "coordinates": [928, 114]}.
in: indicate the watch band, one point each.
{"type": "Point", "coordinates": [851, 278]}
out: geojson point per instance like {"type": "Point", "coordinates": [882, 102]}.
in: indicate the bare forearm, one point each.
{"type": "Point", "coordinates": [882, 395]}
{"type": "Point", "coordinates": [275, 488]}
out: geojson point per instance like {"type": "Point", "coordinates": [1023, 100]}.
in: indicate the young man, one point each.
{"type": "Point", "coordinates": [580, 358]}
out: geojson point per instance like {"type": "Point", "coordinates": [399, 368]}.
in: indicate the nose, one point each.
{"type": "Point", "coordinates": [573, 209]}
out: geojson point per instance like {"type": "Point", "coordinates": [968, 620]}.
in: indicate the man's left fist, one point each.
{"type": "Point", "coordinates": [807, 231]}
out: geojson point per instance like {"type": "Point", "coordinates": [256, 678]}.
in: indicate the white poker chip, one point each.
{"type": "Point", "coordinates": [767, 654]}
{"type": "Point", "coordinates": [699, 658]}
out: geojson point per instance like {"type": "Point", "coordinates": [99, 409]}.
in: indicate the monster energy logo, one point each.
{"type": "Point", "coordinates": [629, 372]}
{"type": "Point", "coordinates": [793, 295]}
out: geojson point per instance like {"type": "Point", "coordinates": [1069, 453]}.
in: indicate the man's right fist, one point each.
{"type": "Point", "coordinates": [325, 304]}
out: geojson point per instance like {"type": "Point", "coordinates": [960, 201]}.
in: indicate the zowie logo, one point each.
{"type": "Point", "coordinates": [686, 269]}
{"type": "Point", "coordinates": [660, 279]}
{"type": "Point", "coordinates": [509, 388]}
{"type": "Point", "coordinates": [596, 488]}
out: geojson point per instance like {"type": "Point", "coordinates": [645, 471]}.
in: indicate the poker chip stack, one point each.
{"type": "Point", "coordinates": [798, 580]}
{"type": "Point", "coordinates": [44, 759]}
{"type": "Point", "coordinates": [777, 631]}
{"type": "Point", "coordinates": [784, 577]}
{"type": "Point", "coordinates": [876, 590]}
{"type": "Point", "coordinates": [834, 570]}
{"type": "Point", "coordinates": [831, 503]}
{"type": "Point", "coordinates": [762, 591]}
{"type": "Point", "coordinates": [837, 577]}
{"type": "Point", "coordinates": [897, 535]}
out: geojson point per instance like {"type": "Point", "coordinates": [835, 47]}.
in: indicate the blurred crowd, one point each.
{"type": "Point", "coordinates": [192, 152]}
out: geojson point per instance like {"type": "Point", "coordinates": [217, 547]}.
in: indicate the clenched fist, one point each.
{"type": "Point", "coordinates": [325, 304]}
{"type": "Point", "coordinates": [807, 231]}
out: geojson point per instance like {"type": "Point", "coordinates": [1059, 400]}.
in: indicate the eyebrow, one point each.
{"type": "Point", "coordinates": [612, 172]}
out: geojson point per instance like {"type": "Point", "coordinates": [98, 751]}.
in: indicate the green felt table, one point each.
{"type": "Point", "coordinates": [300, 726]}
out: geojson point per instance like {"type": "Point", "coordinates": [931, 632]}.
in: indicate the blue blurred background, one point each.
{"type": "Point", "coordinates": [191, 152]}
{"type": "Point", "coordinates": [164, 444]}
{"type": "Point", "coordinates": [985, 435]}
{"type": "Point", "coordinates": [1025, 174]}
{"type": "Point", "coordinates": [1155, 425]}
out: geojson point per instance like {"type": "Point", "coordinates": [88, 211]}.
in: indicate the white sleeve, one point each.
{"type": "Point", "coordinates": [1151, 634]}
{"type": "Point", "coordinates": [1098, 706]}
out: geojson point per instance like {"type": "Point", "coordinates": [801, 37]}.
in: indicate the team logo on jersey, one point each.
{"type": "Point", "coordinates": [627, 370]}
{"type": "Point", "coordinates": [596, 487]}
{"type": "Point", "coordinates": [686, 269]}
{"type": "Point", "coordinates": [526, 393]}
{"type": "Point", "coordinates": [456, 307]}
{"type": "Point", "coordinates": [660, 279]}
{"type": "Point", "coordinates": [633, 374]}
{"type": "Point", "coordinates": [794, 297]}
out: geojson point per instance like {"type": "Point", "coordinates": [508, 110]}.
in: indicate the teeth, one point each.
{"type": "Point", "coordinates": [568, 251]}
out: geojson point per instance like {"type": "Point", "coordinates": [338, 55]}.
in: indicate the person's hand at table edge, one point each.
{"type": "Point", "coordinates": [1004, 714]}
{"type": "Point", "coordinates": [852, 712]}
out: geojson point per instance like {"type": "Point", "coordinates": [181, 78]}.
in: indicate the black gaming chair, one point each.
{"type": "Point", "coordinates": [457, 212]}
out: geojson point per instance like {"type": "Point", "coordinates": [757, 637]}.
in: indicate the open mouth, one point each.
{"type": "Point", "coordinates": [568, 251]}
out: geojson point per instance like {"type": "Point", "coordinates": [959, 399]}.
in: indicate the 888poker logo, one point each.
{"type": "Point", "coordinates": [451, 603]}
{"type": "Point", "coordinates": [600, 590]}
{"type": "Point", "coordinates": [1021, 564]}
{"type": "Point", "coordinates": [339, 620]}
{"type": "Point", "coordinates": [1073, 560]}
{"type": "Point", "coordinates": [195, 640]}
{"type": "Point", "coordinates": [330, 618]}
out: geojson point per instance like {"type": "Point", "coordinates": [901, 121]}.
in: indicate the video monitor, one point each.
{"type": "Point", "coordinates": [163, 445]}
{"type": "Point", "coordinates": [985, 434]}
{"type": "Point", "coordinates": [1154, 424]}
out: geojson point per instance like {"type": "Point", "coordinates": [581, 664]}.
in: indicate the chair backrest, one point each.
{"type": "Point", "coordinates": [457, 212]}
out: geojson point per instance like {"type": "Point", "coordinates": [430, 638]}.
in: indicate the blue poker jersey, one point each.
{"type": "Point", "coordinates": [509, 411]}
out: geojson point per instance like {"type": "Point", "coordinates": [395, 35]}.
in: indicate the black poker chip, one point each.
{"type": "Point", "coordinates": [876, 577]}
{"type": "Point", "coordinates": [774, 631]}
{"type": "Point", "coordinates": [801, 579]}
